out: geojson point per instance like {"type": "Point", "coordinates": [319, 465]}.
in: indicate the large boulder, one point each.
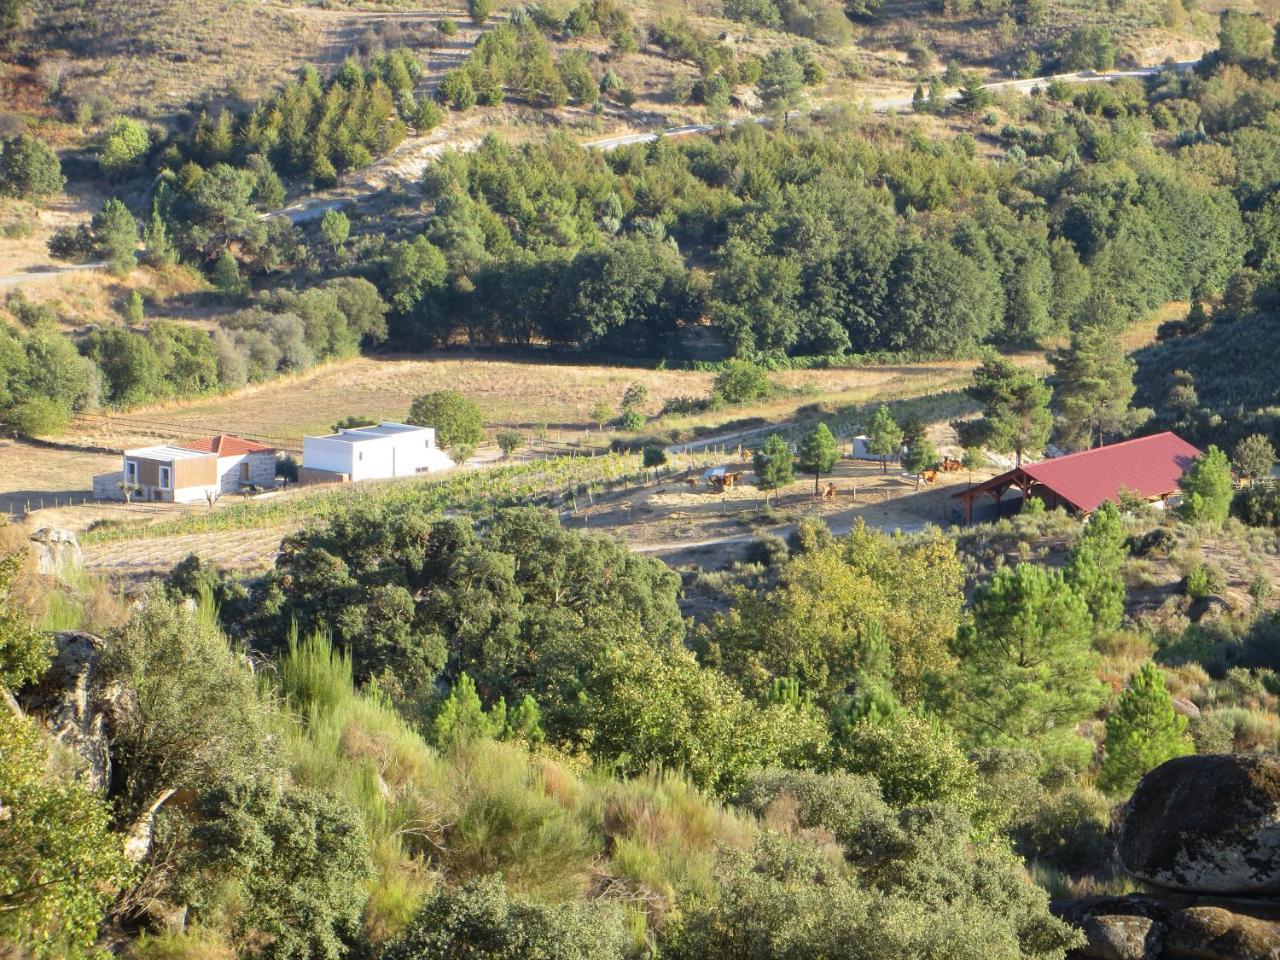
{"type": "Point", "coordinates": [69, 703]}
{"type": "Point", "coordinates": [1207, 824]}
{"type": "Point", "coordinates": [56, 550]}
{"type": "Point", "coordinates": [1173, 926]}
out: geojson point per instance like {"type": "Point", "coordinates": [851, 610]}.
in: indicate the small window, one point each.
{"type": "Point", "coordinates": [360, 455]}
{"type": "Point", "coordinates": [166, 478]}
{"type": "Point", "coordinates": [130, 471]}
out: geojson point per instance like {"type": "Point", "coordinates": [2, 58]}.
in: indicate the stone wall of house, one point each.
{"type": "Point", "coordinates": [106, 486]}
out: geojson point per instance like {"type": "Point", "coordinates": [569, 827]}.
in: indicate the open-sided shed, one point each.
{"type": "Point", "coordinates": [1148, 466]}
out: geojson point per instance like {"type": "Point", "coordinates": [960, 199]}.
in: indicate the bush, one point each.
{"type": "Point", "coordinates": [633, 421]}
{"type": "Point", "coordinates": [769, 550]}
{"type": "Point", "coordinates": [740, 381]}
{"type": "Point", "coordinates": [481, 921]}
{"type": "Point", "coordinates": [1203, 580]}
{"type": "Point", "coordinates": [123, 148]}
{"type": "Point", "coordinates": [37, 417]}
{"type": "Point", "coordinates": [29, 170]}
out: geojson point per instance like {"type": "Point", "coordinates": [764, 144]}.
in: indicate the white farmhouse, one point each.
{"type": "Point", "coordinates": [371, 453]}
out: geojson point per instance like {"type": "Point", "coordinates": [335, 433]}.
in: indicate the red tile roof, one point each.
{"type": "Point", "coordinates": [1150, 466]}
{"type": "Point", "coordinates": [225, 445]}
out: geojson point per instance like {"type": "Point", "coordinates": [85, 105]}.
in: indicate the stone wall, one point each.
{"type": "Point", "coordinates": [106, 486]}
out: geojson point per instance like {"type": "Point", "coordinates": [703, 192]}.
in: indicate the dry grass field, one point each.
{"type": "Point", "coordinates": [526, 393]}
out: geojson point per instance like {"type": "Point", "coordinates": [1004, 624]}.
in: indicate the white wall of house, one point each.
{"type": "Point", "coordinates": [383, 452]}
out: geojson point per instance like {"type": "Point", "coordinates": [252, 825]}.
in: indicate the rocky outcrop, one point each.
{"type": "Point", "coordinates": [1175, 927]}
{"type": "Point", "coordinates": [56, 550]}
{"type": "Point", "coordinates": [1207, 830]}
{"type": "Point", "coordinates": [72, 708]}
{"type": "Point", "coordinates": [1207, 824]}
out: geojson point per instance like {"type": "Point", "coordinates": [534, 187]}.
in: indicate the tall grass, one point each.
{"type": "Point", "coordinates": [553, 833]}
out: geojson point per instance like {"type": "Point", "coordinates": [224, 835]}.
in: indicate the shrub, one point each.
{"type": "Point", "coordinates": [1203, 580]}
{"type": "Point", "coordinates": [29, 170]}
{"type": "Point", "coordinates": [633, 421]}
{"type": "Point", "coordinates": [481, 921]}
{"type": "Point", "coordinates": [123, 148]}
{"type": "Point", "coordinates": [769, 550]}
{"type": "Point", "coordinates": [740, 381]}
{"type": "Point", "coordinates": [457, 420]}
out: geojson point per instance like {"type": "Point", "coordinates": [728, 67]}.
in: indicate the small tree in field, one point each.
{"type": "Point", "coordinates": [1255, 457]}
{"type": "Point", "coordinates": [335, 228]}
{"type": "Point", "coordinates": [479, 10]}
{"type": "Point", "coordinates": [921, 456]}
{"type": "Point", "coordinates": [1143, 731]}
{"type": "Point", "coordinates": [601, 414]}
{"type": "Point", "coordinates": [885, 437]}
{"type": "Point", "coordinates": [1206, 488]}
{"type": "Point", "coordinates": [655, 457]}
{"type": "Point", "coordinates": [818, 453]}
{"type": "Point", "coordinates": [509, 441]}
{"type": "Point", "coordinates": [773, 465]}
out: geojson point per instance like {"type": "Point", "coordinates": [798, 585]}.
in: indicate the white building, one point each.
{"type": "Point", "coordinates": [371, 453]}
{"type": "Point", "coordinates": [190, 472]}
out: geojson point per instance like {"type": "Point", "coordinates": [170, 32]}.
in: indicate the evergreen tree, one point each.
{"type": "Point", "coordinates": [781, 82]}
{"type": "Point", "coordinates": [115, 233]}
{"type": "Point", "coordinates": [922, 455]}
{"type": "Point", "coordinates": [818, 453]}
{"type": "Point", "coordinates": [917, 100]}
{"type": "Point", "coordinates": [1016, 417]}
{"type": "Point", "coordinates": [133, 308]}
{"type": "Point", "coordinates": [159, 249]}
{"type": "Point", "coordinates": [1095, 565]}
{"type": "Point", "coordinates": [1026, 666]}
{"type": "Point", "coordinates": [1095, 382]}
{"type": "Point", "coordinates": [773, 465]}
{"type": "Point", "coordinates": [974, 95]}
{"type": "Point", "coordinates": [884, 439]}
{"type": "Point", "coordinates": [225, 276]}
{"type": "Point", "coordinates": [1143, 731]}
{"type": "Point", "coordinates": [937, 102]}
{"type": "Point", "coordinates": [29, 170]}
{"type": "Point", "coordinates": [1207, 488]}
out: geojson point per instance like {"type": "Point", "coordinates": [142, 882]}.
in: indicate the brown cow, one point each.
{"type": "Point", "coordinates": [692, 482]}
{"type": "Point", "coordinates": [830, 492]}
{"type": "Point", "coordinates": [730, 480]}
{"type": "Point", "coordinates": [746, 454]}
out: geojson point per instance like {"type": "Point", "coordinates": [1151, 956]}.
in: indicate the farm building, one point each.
{"type": "Point", "coordinates": [860, 449]}
{"type": "Point", "coordinates": [1079, 482]}
{"type": "Point", "coordinates": [371, 453]}
{"type": "Point", "coordinates": [190, 472]}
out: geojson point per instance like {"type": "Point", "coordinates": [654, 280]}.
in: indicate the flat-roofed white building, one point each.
{"type": "Point", "coordinates": [378, 452]}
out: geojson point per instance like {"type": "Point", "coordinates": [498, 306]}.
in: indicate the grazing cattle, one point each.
{"type": "Point", "coordinates": [830, 492]}
{"type": "Point", "coordinates": [950, 466]}
{"type": "Point", "coordinates": [746, 454]}
{"type": "Point", "coordinates": [692, 482]}
{"type": "Point", "coordinates": [729, 480]}
{"type": "Point", "coordinates": [930, 476]}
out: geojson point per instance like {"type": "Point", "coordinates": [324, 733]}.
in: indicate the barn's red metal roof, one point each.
{"type": "Point", "coordinates": [225, 445]}
{"type": "Point", "coordinates": [1149, 466]}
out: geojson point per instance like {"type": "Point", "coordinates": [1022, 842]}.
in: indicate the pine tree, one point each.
{"type": "Point", "coordinates": [159, 250]}
{"type": "Point", "coordinates": [921, 456]}
{"type": "Point", "coordinates": [974, 95]}
{"type": "Point", "coordinates": [1095, 379]}
{"type": "Point", "coordinates": [937, 102]}
{"type": "Point", "coordinates": [1026, 664]}
{"type": "Point", "coordinates": [773, 465]}
{"type": "Point", "coordinates": [885, 437]}
{"type": "Point", "coordinates": [1094, 566]}
{"type": "Point", "coordinates": [917, 99]}
{"type": "Point", "coordinates": [1143, 731]}
{"type": "Point", "coordinates": [818, 453]}
{"type": "Point", "coordinates": [226, 277]}
{"type": "Point", "coordinates": [1016, 417]}
{"type": "Point", "coordinates": [1207, 488]}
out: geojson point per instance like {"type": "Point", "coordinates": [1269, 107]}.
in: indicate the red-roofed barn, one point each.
{"type": "Point", "coordinates": [1079, 482]}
